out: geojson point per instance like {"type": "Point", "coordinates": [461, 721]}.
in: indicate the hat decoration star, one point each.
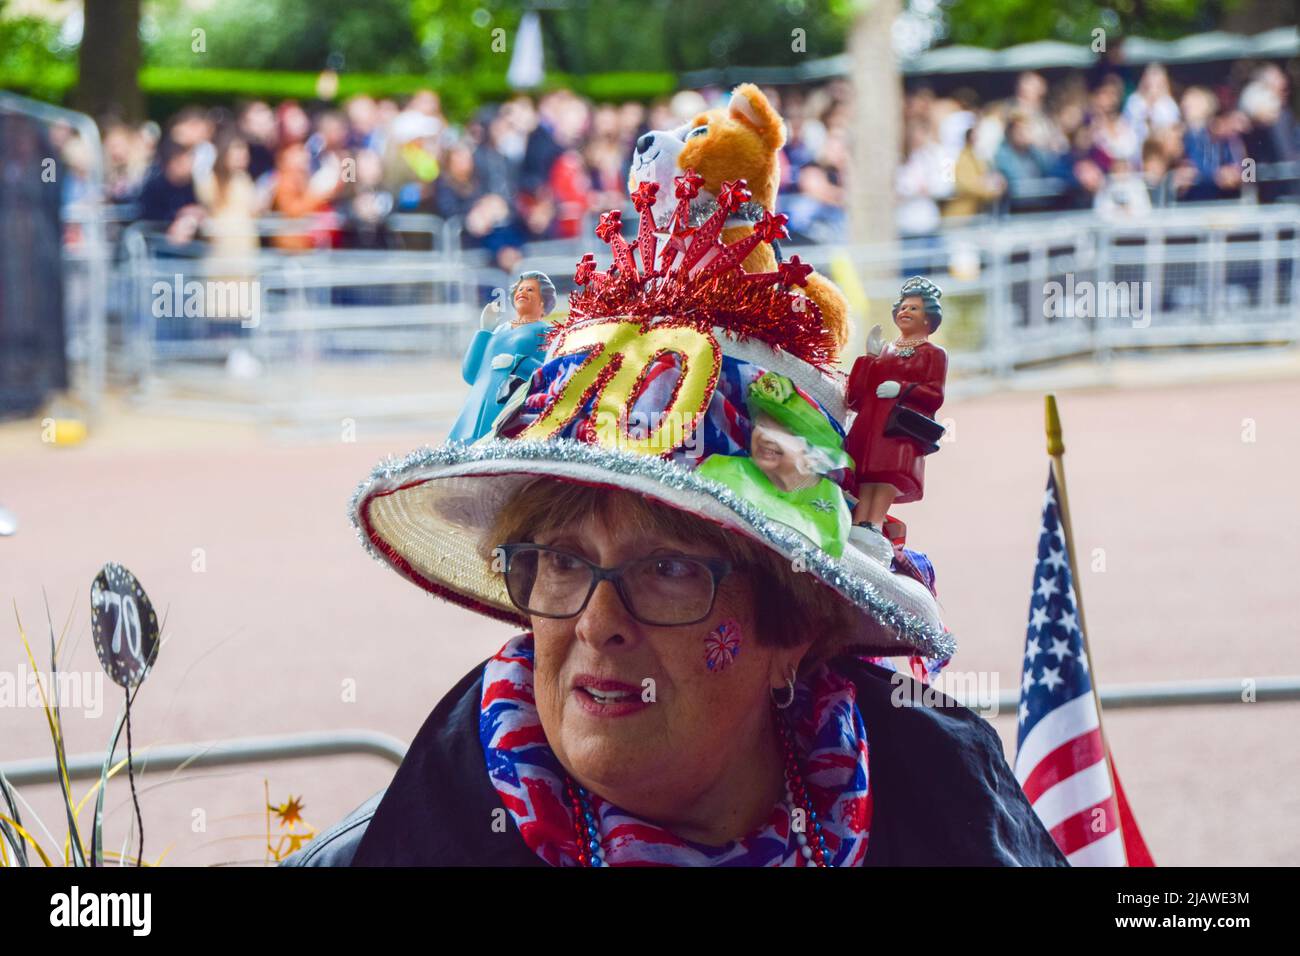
{"type": "Point", "coordinates": [697, 277]}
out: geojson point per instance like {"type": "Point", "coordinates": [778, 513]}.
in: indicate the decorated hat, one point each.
{"type": "Point", "coordinates": [662, 363]}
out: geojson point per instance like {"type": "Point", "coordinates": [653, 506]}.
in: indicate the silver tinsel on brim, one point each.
{"type": "Point", "coordinates": [912, 630]}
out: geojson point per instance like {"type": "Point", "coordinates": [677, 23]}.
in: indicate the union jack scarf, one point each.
{"type": "Point", "coordinates": [828, 731]}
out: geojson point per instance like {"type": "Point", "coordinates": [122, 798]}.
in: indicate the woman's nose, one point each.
{"type": "Point", "coordinates": [605, 621]}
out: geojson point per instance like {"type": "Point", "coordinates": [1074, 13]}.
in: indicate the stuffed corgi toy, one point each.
{"type": "Point", "coordinates": [741, 141]}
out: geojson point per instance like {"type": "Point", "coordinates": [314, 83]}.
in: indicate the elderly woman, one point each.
{"type": "Point", "coordinates": [682, 699]}
{"type": "Point", "coordinates": [694, 683]}
{"type": "Point", "coordinates": [683, 696]}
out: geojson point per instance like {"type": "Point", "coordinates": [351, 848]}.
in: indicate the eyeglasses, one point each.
{"type": "Point", "coordinates": [661, 590]}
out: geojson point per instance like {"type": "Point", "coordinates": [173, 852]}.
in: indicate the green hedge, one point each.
{"type": "Point", "coordinates": [169, 87]}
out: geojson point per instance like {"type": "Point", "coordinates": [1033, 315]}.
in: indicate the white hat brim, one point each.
{"type": "Point", "coordinates": [424, 516]}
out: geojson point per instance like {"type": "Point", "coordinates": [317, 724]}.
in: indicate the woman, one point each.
{"type": "Point", "coordinates": [232, 202]}
{"type": "Point", "coordinates": [921, 182]}
{"type": "Point", "coordinates": [500, 359]}
{"type": "Point", "coordinates": [910, 372]}
{"type": "Point", "coordinates": [460, 193]}
{"type": "Point", "coordinates": [299, 195]}
{"type": "Point", "coordinates": [1114, 138]}
{"type": "Point", "coordinates": [671, 738]}
{"type": "Point", "coordinates": [1151, 107]}
{"type": "Point", "coordinates": [232, 206]}
{"type": "Point", "coordinates": [693, 685]}
{"type": "Point", "coordinates": [457, 189]}
{"type": "Point", "coordinates": [977, 187]}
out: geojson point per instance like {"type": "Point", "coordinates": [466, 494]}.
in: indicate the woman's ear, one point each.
{"type": "Point", "coordinates": [785, 665]}
{"type": "Point", "coordinates": [780, 675]}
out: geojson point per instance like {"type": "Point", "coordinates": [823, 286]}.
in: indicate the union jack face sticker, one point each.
{"type": "Point", "coordinates": [722, 646]}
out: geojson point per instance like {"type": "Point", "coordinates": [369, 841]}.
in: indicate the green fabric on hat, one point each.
{"type": "Point", "coordinates": [819, 513]}
{"type": "Point", "coordinates": [775, 396]}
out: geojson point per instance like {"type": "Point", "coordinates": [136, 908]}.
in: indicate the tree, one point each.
{"type": "Point", "coordinates": [877, 123]}
{"type": "Point", "coordinates": [1002, 23]}
{"type": "Point", "coordinates": [109, 60]}
{"type": "Point", "coordinates": [372, 37]}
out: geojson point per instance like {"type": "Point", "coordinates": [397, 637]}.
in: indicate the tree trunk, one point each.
{"type": "Point", "coordinates": [877, 134]}
{"type": "Point", "coordinates": [109, 60]}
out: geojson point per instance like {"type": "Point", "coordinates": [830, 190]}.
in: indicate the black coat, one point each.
{"type": "Point", "coordinates": [942, 793]}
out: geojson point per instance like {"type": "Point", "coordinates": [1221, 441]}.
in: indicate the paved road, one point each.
{"type": "Point", "coordinates": [1185, 513]}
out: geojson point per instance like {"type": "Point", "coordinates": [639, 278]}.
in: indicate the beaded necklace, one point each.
{"type": "Point", "coordinates": [905, 347]}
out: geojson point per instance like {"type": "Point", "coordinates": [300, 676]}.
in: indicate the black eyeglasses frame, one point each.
{"type": "Point", "coordinates": [718, 568]}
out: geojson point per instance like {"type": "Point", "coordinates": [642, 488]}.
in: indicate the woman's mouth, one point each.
{"type": "Point", "coordinates": [607, 698]}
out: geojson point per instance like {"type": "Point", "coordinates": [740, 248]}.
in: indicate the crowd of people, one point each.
{"type": "Point", "coordinates": [533, 168]}
{"type": "Point", "coordinates": [1090, 142]}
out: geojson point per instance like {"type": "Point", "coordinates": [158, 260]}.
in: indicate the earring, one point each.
{"type": "Point", "coordinates": [789, 682]}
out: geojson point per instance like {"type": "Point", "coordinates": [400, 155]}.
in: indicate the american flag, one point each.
{"type": "Point", "coordinates": [1061, 757]}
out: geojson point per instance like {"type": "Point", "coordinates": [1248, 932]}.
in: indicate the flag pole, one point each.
{"type": "Point", "coordinates": [1056, 450]}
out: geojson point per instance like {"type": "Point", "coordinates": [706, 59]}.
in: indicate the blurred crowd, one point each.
{"type": "Point", "coordinates": [1091, 142]}
{"type": "Point", "coordinates": [523, 170]}
{"type": "Point", "coordinates": [538, 168]}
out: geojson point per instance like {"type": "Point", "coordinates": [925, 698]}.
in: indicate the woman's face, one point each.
{"type": "Point", "coordinates": [237, 155]}
{"type": "Point", "coordinates": [680, 727]}
{"type": "Point", "coordinates": [294, 123]}
{"type": "Point", "coordinates": [460, 163]}
{"type": "Point", "coordinates": [910, 317]}
{"type": "Point", "coordinates": [774, 457]}
{"type": "Point", "coordinates": [528, 299]}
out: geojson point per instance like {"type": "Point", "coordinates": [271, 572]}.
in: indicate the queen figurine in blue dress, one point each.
{"type": "Point", "coordinates": [498, 361]}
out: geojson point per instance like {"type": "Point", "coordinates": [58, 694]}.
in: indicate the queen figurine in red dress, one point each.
{"type": "Point", "coordinates": [909, 372]}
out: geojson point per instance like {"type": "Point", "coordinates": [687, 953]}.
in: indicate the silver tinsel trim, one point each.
{"type": "Point", "coordinates": [859, 591]}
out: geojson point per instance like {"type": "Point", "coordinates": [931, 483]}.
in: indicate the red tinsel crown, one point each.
{"type": "Point", "coordinates": [699, 279]}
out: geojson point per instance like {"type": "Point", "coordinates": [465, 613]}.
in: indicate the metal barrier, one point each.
{"type": "Point", "coordinates": [1274, 182]}
{"type": "Point", "coordinates": [86, 252]}
{"type": "Point", "coordinates": [1190, 693]}
{"type": "Point", "coordinates": [219, 753]}
{"type": "Point", "coordinates": [1045, 287]}
{"type": "Point", "coordinates": [1019, 292]}
{"type": "Point", "coordinates": [282, 337]}
{"type": "Point", "coordinates": [1265, 690]}
{"type": "Point", "coordinates": [434, 233]}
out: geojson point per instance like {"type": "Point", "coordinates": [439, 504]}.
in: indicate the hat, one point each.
{"type": "Point", "coordinates": [651, 374]}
